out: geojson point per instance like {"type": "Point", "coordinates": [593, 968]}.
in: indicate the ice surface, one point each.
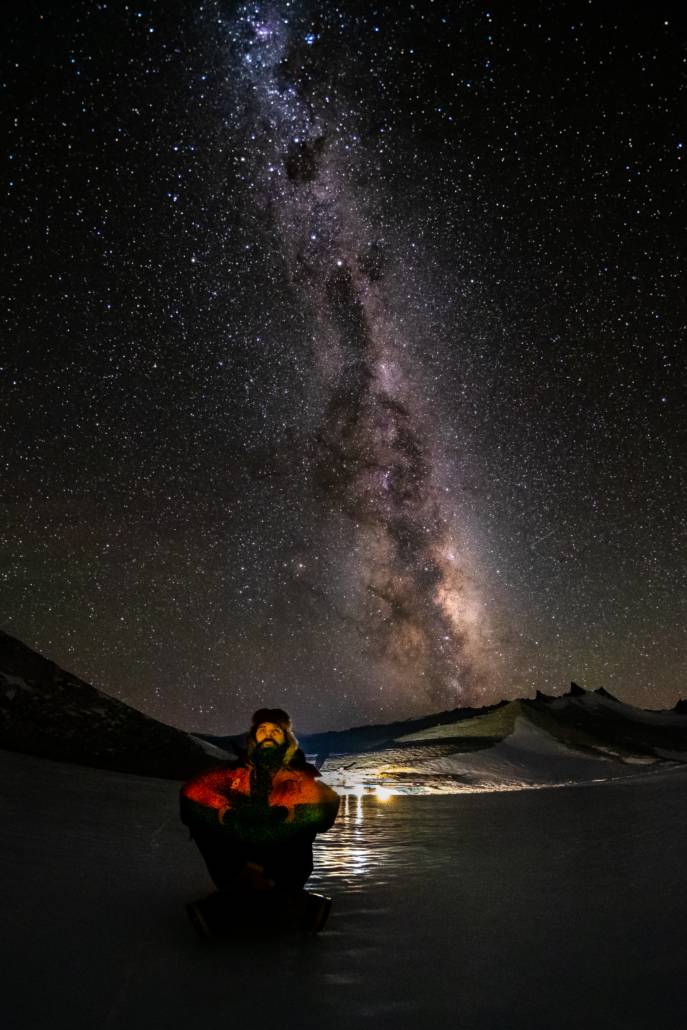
{"type": "Point", "coordinates": [529, 910]}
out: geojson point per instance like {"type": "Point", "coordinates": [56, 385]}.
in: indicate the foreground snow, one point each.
{"type": "Point", "coordinates": [529, 909]}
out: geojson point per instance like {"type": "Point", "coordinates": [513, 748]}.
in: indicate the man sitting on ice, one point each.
{"type": "Point", "coordinates": [255, 819]}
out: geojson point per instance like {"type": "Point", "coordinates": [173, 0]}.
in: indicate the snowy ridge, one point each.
{"type": "Point", "coordinates": [527, 744]}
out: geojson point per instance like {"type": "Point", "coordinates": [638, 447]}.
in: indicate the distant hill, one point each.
{"type": "Point", "coordinates": [48, 712]}
{"type": "Point", "coordinates": [589, 721]}
{"type": "Point", "coordinates": [607, 721]}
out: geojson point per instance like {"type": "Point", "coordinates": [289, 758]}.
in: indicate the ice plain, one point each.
{"type": "Point", "coordinates": [528, 909]}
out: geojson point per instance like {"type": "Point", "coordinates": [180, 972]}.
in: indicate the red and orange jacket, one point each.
{"type": "Point", "coordinates": [297, 803]}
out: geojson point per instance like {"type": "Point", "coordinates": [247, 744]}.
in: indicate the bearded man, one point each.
{"type": "Point", "coordinates": [255, 819]}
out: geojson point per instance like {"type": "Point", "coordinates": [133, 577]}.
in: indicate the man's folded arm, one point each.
{"type": "Point", "coordinates": [206, 799]}
{"type": "Point", "coordinates": [316, 815]}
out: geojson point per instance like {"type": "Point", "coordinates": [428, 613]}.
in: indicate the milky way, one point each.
{"type": "Point", "coordinates": [374, 455]}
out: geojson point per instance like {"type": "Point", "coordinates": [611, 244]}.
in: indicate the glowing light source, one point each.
{"type": "Point", "coordinates": [383, 793]}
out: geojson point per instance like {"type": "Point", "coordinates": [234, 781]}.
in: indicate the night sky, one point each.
{"type": "Point", "coordinates": [342, 359]}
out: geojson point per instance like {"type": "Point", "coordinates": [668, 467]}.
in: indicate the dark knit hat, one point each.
{"type": "Point", "coordinates": [275, 715]}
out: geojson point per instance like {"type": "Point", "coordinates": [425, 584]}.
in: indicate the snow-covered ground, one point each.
{"type": "Point", "coordinates": [527, 910]}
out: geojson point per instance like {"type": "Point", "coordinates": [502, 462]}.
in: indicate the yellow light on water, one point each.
{"type": "Point", "coordinates": [383, 793]}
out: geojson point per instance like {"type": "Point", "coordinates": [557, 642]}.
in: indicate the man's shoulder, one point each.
{"type": "Point", "coordinates": [299, 764]}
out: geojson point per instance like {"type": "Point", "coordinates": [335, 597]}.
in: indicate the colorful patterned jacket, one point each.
{"type": "Point", "coordinates": [297, 805]}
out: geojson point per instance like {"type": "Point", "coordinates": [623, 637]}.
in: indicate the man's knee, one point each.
{"type": "Point", "coordinates": [224, 859]}
{"type": "Point", "coordinates": [290, 866]}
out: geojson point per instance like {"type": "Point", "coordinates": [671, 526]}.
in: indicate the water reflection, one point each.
{"type": "Point", "coordinates": [375, 838]}
{"type": "Point", "coordinates": [347, 854]}
{"type": "Point", "coordinates": [353, 810]}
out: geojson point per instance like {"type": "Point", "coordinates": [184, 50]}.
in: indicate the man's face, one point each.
{"type": "Point", "coordinates": [269, 734]}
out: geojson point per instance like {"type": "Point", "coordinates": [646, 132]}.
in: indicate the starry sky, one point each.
{"type": "Point", "coordinates": [342, 360]}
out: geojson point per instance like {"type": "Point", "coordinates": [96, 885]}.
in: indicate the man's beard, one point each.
{"type": "Point", "coordinates": [270, 757]}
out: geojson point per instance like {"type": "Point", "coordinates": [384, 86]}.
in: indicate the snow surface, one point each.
{"type": "Point", "coordinates": [521, 911]}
